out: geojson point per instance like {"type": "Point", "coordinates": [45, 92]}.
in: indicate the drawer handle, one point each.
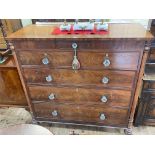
{"type": "Point", "coordinates": [104, 99]}
{"type": "Point", "coordinates": [45, 60]}
{"type": "Point", "coordinates": [75, 62]}
{"type": "Point", "coordinates": [106, 61]}
{"type": "Point", "coordinates": [49, 78]}
{"type": "Point", "coordinates": [54, 113]}
{"type": "Point", "coordinates": [102, 117]}
{"type": "Point", "coordinates": [105, 80]}
{"type": "Point", "coordinates": [51, 96]}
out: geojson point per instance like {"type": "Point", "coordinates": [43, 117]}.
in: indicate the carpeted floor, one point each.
{"type": "Point", "coordinates": [13, 116]}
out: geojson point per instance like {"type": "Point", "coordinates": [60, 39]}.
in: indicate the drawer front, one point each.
{"type": "Point", "coordinates": [93, 78]}
{"type": "Point", "coordinates": [85, 43]}
{"type": "Point", "coordinates": [76, 114]}
{"type": "Point", "coordinates": [86, 97]}
{"type": "Point", "coordinates": [87, 59]}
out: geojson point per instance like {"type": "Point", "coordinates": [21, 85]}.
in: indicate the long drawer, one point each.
{"type": "Point", "coordinates": [88, 59]}
{"type": "Point", "coordinates": [82, 96]}
{"type": "Point", "coordinates": [93, 78]}
{"type": "Point", "coordinates": [76, 114]}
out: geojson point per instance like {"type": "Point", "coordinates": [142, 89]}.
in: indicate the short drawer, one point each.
{"type": "Point", "coordinates": [98, 78]}
{"type": "Point", "coordinates": [77, 114]}
{"type": "Point", "coordinates": [88, 59]}
{"type": "Point", "coordinates": [84, 96]}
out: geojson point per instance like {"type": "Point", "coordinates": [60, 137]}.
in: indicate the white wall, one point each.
{"type": "Point", "coordinates": [144, 22]}
{"type": "Point", "coordinates": [26, 22]}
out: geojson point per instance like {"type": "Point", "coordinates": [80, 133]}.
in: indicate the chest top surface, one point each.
{"type": "Point", "coordinates": [116, 31]}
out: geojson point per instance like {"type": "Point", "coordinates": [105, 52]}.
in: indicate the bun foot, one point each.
{"type": "Point", "coordinates": [128, 131]}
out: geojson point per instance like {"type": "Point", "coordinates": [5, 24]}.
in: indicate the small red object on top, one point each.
{"type": "Point", "coordinates": [57, 31]}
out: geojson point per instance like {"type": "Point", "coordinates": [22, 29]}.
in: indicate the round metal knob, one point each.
{"type": "Point", "coordinates": [51, 96]}
{"type": "Point", "coordinates": [49, 78]}
{"type": "Point", "coordinates": [104, 99]}
{"type": "Point", "coordinates": [106, 62]}
{"type": "Point", "coordinates": [74, 45]}
{"type": "Point", "coordinates": [45, 61]}
{"type": "Point", "coordinates": [102, 117]}
{"type": "Point", "coordinates": [54, 113]}
{"type": "Point", "coordinates": [105, 80]}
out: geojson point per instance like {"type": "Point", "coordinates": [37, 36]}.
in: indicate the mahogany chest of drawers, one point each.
{"type": "Point", "coordinates": [98, 90]}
